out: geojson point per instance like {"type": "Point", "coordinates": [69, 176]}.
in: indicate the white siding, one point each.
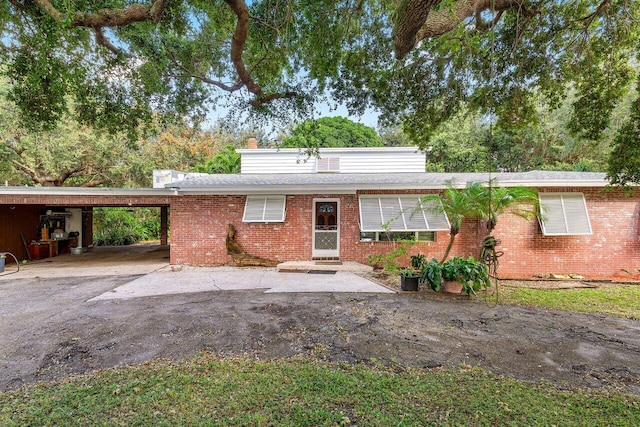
{"type": "Point", "coordinates": [352, 160]}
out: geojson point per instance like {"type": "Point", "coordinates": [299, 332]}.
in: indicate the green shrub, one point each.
{"type": "Point", "coordinates": [123, 226]}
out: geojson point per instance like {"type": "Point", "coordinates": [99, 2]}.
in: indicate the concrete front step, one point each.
{"type": "Point", "coordinates": [306, 266]}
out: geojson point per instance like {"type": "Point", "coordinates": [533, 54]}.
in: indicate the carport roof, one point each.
{"type": "Point", "coordinates": [82, 196]}
{"type": "Point", "coordinates": [85, 191]}
{"type": "Point", "coordinates": [350, 183]}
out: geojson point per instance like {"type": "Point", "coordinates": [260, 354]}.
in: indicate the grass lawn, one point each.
{"type": "Point", "coordinates": [208, 391]}
{"type": "Point", "coordinates": [613, 299]}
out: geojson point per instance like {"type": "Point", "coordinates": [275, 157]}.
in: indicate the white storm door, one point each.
{"type": "Point", "coordinates": [326, 229]}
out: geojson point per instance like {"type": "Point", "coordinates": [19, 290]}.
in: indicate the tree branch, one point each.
{"type": "Point", "coordinates": [239, 7]}
{"type": "Point", "coordinates": [19, 5]}
{"type": "Point", "coordinates": [103, 41]}
{"type": "Point", "coordinates": [481, 25]}
{"type": "Point", "coordinates": [238, 42]}
{"type": "Point", "coordinates": [73, 172]}
{"type": "Point", "coordinates": [136, 12]}
{"type": "Point", "coordinates": [442, 21]}
{"type": "Point", "coordinates": [26, 169]}
{"type": "Point", "coordinates": [601, 7]}
{"type": "Point", "coordinates": [412, 15]}
{"type": "Point", "coordinates": [258, 102]}
{"type": "Point", "coordinates": [200, 77]}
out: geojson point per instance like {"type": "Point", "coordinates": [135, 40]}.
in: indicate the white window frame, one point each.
{"type": "Point", "coordinates": [562, 215]}
{"type": "Point", "coordinates": [416, 236]}
{"type": "Point", "coordinates": [265, 199]}
{"type": "Point", "coordinates": [404, 217]}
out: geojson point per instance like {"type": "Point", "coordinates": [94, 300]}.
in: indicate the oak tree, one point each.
{"type": "Point", "coordinates": [419, 61]}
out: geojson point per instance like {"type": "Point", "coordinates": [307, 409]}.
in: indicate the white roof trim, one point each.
{"type": "Point", "coordinates": [328, 150]}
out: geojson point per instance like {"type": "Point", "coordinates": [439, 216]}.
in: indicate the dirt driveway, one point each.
{"type": "Point", "coordinates": [49, 330]}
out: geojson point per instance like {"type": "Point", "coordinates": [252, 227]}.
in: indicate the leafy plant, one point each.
{"type": "Point", "coordinates": [418, 261]}
{"type": "Point", "coordinates": [389, 261]}
{"type": "Point", "coordinates": [431, 274]}
{"type": "Point", "coordinates": [473, 275]}
{"type": "Point", "coordinates": [408, 272]}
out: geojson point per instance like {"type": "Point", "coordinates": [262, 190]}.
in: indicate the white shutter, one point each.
{"type": "Point", "coordinates": [413, 216]}
{"type": "Point", "coordinates": [264, 209]}
{"type": "Point", "coordinates": [399, 213]}
{"type": "Point", "coordinates": [434, 216]}
{"type": "Point", "coordinates": [370, 217]}
{"type": "Point", "coordinates": [564, 214]}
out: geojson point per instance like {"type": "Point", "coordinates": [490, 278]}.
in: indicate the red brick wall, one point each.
{"type": "Point", "coordinates": [199, 226]}
{"type": "Point", "coordinates": [613, 246]}
{"type": "Point", "coordinates": [199, 230]}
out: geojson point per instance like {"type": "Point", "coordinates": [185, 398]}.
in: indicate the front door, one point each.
{"type": "Point", "coordinates": [326, 232]}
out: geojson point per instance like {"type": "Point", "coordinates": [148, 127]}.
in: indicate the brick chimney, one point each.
{"type": "Point", "coordinates": [252, 143]}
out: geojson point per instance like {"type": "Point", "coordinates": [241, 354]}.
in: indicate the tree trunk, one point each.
{"type": "Point", "coordinates": [452, 237]}
{"type": "Point", "coordinates": [240, 257]}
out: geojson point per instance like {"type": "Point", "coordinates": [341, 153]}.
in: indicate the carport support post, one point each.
{"type": "Point", "coordinates": [163, 225]}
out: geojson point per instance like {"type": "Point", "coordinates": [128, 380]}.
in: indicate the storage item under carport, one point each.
{"type": "Point", "coordinates": [39, 250]}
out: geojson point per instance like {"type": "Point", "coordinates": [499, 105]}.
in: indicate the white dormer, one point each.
{"type": "Point", "coordinates": [333, 160]}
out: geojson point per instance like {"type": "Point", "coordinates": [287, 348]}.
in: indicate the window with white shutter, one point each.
{"type": "Point", "coordinates": [400, 213]}
{"type": "Point", "coordinates": [264, 209]}
{"type": "Point", "coordinates": [564, 214]}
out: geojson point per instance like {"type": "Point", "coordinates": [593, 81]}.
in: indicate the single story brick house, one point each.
{"type": "Point", "coordinates": [352, 203]}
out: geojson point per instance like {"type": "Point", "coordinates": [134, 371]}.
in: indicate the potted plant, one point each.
{"type": "Point", "coordinates": [465, 274]}
{"type": "Point", "coordinates": [418, 261]}
{"type": "Point", "coordinates": [409, 279]}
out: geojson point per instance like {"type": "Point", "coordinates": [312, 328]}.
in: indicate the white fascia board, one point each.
{"type": "Point", "coordinates": [302, 189]}
{"type": "Point", "coordinates": [85, 191]}
{"type": "Point", "coordinates": [354, 188]}
{"type": "Point", "coordinates": [268, 189]}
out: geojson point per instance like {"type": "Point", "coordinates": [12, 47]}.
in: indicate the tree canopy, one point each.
{"type": "Point", "coordinates": [415, 61]}
{"type": "Point", "coordinates": [331, 132]}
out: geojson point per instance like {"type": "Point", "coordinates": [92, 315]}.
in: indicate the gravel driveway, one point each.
{"type": "Point", "coordinates": [50, 329]}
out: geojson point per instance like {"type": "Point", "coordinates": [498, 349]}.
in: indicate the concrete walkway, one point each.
{"type": "Point", "coordinates": [208, 279]}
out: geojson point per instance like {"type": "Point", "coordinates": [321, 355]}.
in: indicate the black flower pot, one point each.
{"type": "Point", "coordinates": [409, 283]}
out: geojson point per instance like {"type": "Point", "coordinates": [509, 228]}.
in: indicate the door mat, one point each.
{"type": "Point", "coordinates": [328, 263]}
{"type": "Point", "coordinates": [321, 272]}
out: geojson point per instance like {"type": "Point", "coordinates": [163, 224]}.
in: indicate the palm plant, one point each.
{"type": "Point", "coordinates": [226, 161]}
{"type": "Point", "coordinates": [481, 202]}
{"type": "Point", "coordinates": [458, 204]}
{"type": "Point", "coordinates": [519, 201]}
